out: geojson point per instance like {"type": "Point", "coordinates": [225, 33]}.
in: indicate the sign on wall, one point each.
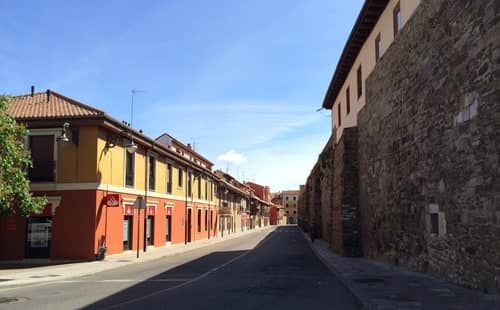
{"type": "Point", "coordinates": [112, 200]}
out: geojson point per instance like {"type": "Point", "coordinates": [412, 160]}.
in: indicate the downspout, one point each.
{"type": "Point", "coordinates": [185, 211]}
{"type": "Point", "coordinates": [146, 186]}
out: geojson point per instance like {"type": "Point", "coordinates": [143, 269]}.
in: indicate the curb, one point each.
{"type": "Point", "coordinates": [345, 283]}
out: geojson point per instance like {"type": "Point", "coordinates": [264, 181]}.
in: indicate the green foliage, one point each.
{"type": "Point", "coordinates": [15, 197]}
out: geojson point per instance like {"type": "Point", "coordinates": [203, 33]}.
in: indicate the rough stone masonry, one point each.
{"type": "Point", "coordinates": [429, 145]}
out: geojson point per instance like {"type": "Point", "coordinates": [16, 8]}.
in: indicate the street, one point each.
{"type": "Point", "coordinates": [259, 270]}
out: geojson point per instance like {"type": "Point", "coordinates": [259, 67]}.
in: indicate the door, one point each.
{"type": "Point", "coordinates": [38, 237]}
{"type": "Point", "coordinates": [150, 231]}
{"type": "Point", "coordinates": [168, 229]}
{"type": "Point", "coordinates": [127, 233]}
{"type": "Point", "coordinates": [189, 225]}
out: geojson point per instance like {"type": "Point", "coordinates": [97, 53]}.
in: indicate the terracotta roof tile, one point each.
{"type": "Point", "coordinates": [49, 105]}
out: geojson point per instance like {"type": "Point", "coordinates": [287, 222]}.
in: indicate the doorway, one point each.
{"type": "Point", "coordinates": [189, 225]}
{"type": "Point", "coordinates": [150, 230]}
{"type": "Point", "coordinates": [127, 232]}
{"type": "Point", "coordinates": [38, 237]}
{"type": "Point", "coordinates": [168, 229]}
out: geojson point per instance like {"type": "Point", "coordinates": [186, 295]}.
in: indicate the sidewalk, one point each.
{"type": "Point", "coordinates": [10, 278]}
{"type": "Point", "coordinates": [380, 286]}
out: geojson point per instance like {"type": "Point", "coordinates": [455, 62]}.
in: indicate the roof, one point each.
{"type": "Point", "coordinates": [51, 105]}
{"type": "Point", "coordinates": [167, 140]}
{"type": "Point", "coordinates": [367, 18]}
{"type": "Point", "coordinates": [48, 105]}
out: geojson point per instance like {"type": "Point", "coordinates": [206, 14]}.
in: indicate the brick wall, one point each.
{"type": "Point", "coordinates": [429, 145]}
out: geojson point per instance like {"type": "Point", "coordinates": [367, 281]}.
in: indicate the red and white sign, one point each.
{"type": "Point", "coordinates": [129, 210]}
{"type": "Point", "coordinates": [169, 211]}
{"type": "Point", "coordinates": [151, 210]}
{"type": "Point", "coordinates": [113, 200]}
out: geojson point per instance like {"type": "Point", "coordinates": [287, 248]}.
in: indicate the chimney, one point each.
{"type": "Point", "coordinates": [48, 95]}
{"type": "Point", "coordinates": [189, 146]}
{"type": "Point", "coordinates": [32, 90]}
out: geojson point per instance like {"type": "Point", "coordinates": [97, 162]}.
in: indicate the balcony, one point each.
{"type": "Point", "coordinates": [42, 171]}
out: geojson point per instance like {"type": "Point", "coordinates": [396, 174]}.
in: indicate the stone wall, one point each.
{"type": "Point", "coordinates": [346, 230]}
{"type": "Point", "coordinates": [429, 145]}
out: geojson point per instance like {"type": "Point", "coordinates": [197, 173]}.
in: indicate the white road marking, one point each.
{"type": "Point", "coordinates": [188, 282]}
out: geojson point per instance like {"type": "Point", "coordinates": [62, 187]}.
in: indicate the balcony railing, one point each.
{"type": "Point", "coordinates": [42, 171]}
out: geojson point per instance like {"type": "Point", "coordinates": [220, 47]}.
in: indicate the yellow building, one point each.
{"type": "Point", "coordinates": [95, 172]}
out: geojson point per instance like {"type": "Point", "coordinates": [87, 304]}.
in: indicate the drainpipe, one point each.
{"type": "Point", "coordinates": [146, 186]}
{"type": "Point", "coordinates": [185, 211]}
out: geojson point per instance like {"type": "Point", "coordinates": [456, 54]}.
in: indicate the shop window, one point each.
{"type": "Point", "coordinates": [129, 168]}
{"type": "Point", "coordinates": [42, 156]}
{"type": "Point", "coordinates": [152, 173]}
{"type": "Point", "coordinates": [169, 178]}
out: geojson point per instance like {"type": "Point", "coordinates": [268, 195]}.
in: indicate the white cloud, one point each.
{"type": "Point", "coordinates": [232, 157]}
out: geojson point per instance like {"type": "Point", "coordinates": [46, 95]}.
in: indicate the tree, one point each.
{"type": "Point", "coordinates": [15, 160]}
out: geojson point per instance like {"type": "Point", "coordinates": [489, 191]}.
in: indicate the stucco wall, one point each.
{"type": "Point", "coordinates": [429, 143]}
{"type": "Point", "coordinates": [366, 58]}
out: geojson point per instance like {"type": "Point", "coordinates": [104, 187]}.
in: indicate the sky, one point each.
{"type": "Point", "coordinates": [240, 80]}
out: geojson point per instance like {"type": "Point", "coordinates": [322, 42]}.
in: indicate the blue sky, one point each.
{"type": "Point", "coordinates": [241, 79]}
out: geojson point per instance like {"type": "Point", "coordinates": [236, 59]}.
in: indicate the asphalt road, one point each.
{"type": "Point", "coordinates": [256, 271]}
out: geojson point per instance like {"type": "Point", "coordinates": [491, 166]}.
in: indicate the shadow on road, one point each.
{"type": "Point", "coordinates": [170, 279]}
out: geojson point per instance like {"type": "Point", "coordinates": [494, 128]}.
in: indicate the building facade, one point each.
{"type": "Point", "coordinates": [411, 177]}
{"type": "Point", "coordinates": [108, 185]}
{"type": "Point", "coordinates": [290, 205]}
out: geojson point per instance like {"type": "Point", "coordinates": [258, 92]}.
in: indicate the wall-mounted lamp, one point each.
{"type": "Point", "coordinates": [111, 141]}
{"type": "Point", "coordinates": [63, 137]}
{"type": "Point", "coordinates": [131, 147]}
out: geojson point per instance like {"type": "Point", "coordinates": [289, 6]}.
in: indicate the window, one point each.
{"type": "Point", "coordinates": [169, 178]}
{"type": "Point", "coordinates": [360, 82]}
{"type": "Point", "coordinates": [286, 198]}
{"type": "Point", "coordinates": [42, 155]}
{"type": "Point", "coordinates": [338, 115]}
{"type": "Point", "coordinates": [199, 187]}
{"type": "Point", "coordinates": [286, 205]}
{"type": "Point", "coordinates": [152, 173]}
{"type": "Point", "coordinates": [294, 198]}
{"type": "Point", "coordinates": [435, 223]}
{"type": "Point", "coordinates": [199, 220]}
{"type": "Point", "coordinates": [396, 19]}
{"type": "Point", "coordinates": [378, 48]}
{"type": "Point", "coordinates": [129, 168]}
{"type": "Point", "coordinates": [180, 177]}
{"type": "Point", "coordinates": [206, 189]}
{"type": "Point", "coordinates": [189, 184]}
{"type": "Point", "coordinates": [347, 103]}
{"type": "Point", "coordinates": [206, 220]}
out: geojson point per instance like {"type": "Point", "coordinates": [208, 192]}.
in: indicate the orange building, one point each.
{"type": "Point", "coordinates": [108, 185]}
